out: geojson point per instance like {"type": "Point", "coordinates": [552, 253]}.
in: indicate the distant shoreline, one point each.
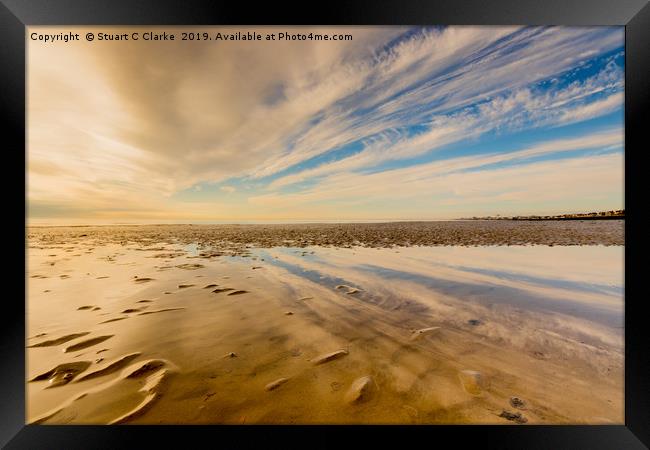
{"type": "Point", "coordinates": [601, 215]}
{"type": "Point", "coordinates": [549, 218]}
{"type": "Point", "coordinates": [605, 215]}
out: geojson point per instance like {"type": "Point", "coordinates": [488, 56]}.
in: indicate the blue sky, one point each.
{"type": "Point", "coordinates": [400, 124]}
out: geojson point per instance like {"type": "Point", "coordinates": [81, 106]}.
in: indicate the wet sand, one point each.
{"type": "Point", "coordinates": [224, 238]}
{"type": "Point", "coordinates": [257, 324]}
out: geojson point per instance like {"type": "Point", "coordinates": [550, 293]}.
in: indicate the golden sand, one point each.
{"type": "Point", "coordinates": [148, 329]}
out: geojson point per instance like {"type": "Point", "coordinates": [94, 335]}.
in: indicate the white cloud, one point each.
{"type": "Point", "coordinates": [595, 109]}
{"type": "Point", "coordinates": [448, 181]}
{"type": "Point", "coordinates": [136, 124]}
{"type": "Point", "coordinates": [514, 110]}
{"type": "Point", "coordinates": [595, 181]}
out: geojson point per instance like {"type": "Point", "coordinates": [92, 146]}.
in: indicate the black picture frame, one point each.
{"type": "Point", "coordinates": [16, 15]}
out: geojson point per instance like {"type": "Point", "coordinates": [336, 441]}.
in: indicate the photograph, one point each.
{"type": "Point", "coordinates": [325, 225]}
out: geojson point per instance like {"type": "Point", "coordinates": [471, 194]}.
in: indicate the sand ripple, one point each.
{"type": "Point", "coordinates": [60, 340]}
{"type": "Point", "coordinates": [110, 367]}
{"type": "Point", "coordinates": [63, 373]}
{"type": "Point", "coordinates": [159, 311]}
{"type": "Point", "coordinates": [130, 395]}
{"type": "Point", "coordinates": [87, 343]}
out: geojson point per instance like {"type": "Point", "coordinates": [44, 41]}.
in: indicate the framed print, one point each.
{"type": "Point", "coordinates": [388, 222]}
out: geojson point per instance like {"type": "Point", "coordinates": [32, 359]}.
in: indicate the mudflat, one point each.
{"type": "Point", "coordinates": [389, 234]}
{"type": "Point", "coordinates": [497, 322]}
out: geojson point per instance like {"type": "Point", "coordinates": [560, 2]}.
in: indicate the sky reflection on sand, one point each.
{"type": "Point", "coordinates": [544, 323]}
{"type": "Point", "coordinates": [582, 282]}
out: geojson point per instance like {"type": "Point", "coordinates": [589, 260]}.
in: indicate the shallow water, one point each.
{"type": "Point", "coordinates": [545, 323]}
{"type": "Point", "coordinates": [585, 282]}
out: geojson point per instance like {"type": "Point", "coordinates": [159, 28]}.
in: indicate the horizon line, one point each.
{"type": "Point", "coordinates": [306, 221]}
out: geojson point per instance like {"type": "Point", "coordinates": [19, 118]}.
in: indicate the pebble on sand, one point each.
{"type": "Point", "coordinates": [142, 280]}
{"type": "Point", "coordinates": [515, 417]}
{"type": "Point", "coordinates": [190, 266]}
{"type": "Point", "coordinates": [516, 402]}
{"type": "Point", "coordinates": [275, 384]}
{"type": "Point", "coordinates": [361, 390]}
{"type": "Point", "coordinates": [351, 290]}
{"type": "Point", "coordinates": [329, 357]}
{"type": "Point", "coordinates": [417, 334]}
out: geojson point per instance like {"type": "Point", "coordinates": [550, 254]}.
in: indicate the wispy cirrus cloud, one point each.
{"type": "Point", "coordinates": [511, 111]}
{"type": "Point", "coordinates": [457, 180]}
{"type": "Point", "coordinates": [158, 125]}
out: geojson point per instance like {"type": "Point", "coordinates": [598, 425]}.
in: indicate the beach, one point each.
{"type": "Point", "coordinates": [456, 322]}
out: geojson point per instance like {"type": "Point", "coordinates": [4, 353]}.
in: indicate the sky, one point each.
{"type": "Point", "coordinates": [399, 123]}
